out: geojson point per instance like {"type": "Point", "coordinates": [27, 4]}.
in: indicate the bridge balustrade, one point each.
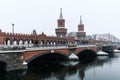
{"type": "Point", "coordinates": [45, 46]}
{"type": "Point", "coordinates": [15, 47]}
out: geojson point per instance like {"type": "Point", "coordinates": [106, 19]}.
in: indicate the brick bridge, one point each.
{"type": "Point", "coordinates": [50, 47]}
{"type": "Point", "coordinates": [14, 59]}
{"type": "Point", "coordinates": [32, 53]}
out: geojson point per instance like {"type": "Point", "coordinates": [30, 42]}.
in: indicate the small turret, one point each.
{"type": "Point", "coordinates": [80, 26]}
{"type": "Point", "coordinates": [0, 30]}
{"type": "Point", "coordinates": [34, 32]}
{"type": "Point", "coordinates": [80, 19]}
{"type": "Point", "coordinates": [61, 16]}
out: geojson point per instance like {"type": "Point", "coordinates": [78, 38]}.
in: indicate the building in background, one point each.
{"type": "Point", "coordinates": [106, 37]}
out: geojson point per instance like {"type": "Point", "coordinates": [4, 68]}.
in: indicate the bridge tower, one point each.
{"type": "Point", "coordinates": [81, 34]}
{"type": "Point", "coordinates": [61, 31]}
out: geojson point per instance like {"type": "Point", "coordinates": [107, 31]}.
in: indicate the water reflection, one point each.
{"type": "Point", "coordinates": [2, 75]}
{"type": "Point", "coordinates": [99, 69]}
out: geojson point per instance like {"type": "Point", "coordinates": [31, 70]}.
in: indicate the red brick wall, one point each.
{"type": "Point", "coordinates": [94, 48]}
{"type": "Point", "coordinates": [2, 37]}
{"type": "Point", "coordinates": [29, 54]}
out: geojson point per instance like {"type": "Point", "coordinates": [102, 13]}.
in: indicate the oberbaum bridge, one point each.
{"type": "Point", "coordinates": [36, 48]}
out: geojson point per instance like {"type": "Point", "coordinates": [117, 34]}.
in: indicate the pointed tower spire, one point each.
{"type": "Point", "coordinates": [80, 19]}
{"type": "Point", "coordinates": [61, 16]}
{"type": "Point", "coordinates": [61, 31]}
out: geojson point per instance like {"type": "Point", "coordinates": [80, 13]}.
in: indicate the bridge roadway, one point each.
{"type": "Point", "coordinates": [13, 59]}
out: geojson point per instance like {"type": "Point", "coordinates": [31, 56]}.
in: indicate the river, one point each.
{"type": "Point", "coordinates": [103, 68]}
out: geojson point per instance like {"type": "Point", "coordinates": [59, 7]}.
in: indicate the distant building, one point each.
{"type": "Point", "coordinates": [72, 34]}
{"type": "Point", "coordinates": [106, 37]}
{"type": "Point", "coordinates": [88, 37]}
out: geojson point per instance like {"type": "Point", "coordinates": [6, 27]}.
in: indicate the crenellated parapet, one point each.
{"type": "Point", "coordinates": [2, 33]}
{"type": "Point", "coordinates": [34, 38]}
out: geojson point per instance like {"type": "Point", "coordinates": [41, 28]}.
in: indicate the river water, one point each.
{"type": "Point", "coordinates": [103, 68]}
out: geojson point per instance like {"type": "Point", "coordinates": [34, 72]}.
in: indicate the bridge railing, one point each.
{"type": "Point", "coordinates": [34, 46]}
{"type": "Point", "coordinates": [41, 48]}
{"type": "Point", "coordinates": [11, 47]}
{"type": "Point", "coordinates": [58, 46]}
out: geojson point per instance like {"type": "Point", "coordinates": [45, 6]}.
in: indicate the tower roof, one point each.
{"type": "Point", "coordinates": [61, 16]}
{"type": "Point", "coordinates": [80, 19]}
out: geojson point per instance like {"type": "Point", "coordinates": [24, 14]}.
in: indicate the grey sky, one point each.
{"type": "Point", "coordinates": [99, 16]}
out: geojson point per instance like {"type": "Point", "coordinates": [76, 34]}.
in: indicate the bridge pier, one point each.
{"type": "Point", "coordinates": [13, 60]}
{"type": "Point", "coordinates": [72, 50]}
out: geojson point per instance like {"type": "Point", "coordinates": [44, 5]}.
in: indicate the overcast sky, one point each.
{"type": "Point", "coordinates": [99, 16]}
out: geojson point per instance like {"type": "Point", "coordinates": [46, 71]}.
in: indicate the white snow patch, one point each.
{"type": "Point", "coordinates": [102, 53]}
{"type": "Point", "coordinates": [25, 63]}
{"type": "Point", "coordinates": [73, 56]}
{"type": "Point", "coordinates": [117, 51]}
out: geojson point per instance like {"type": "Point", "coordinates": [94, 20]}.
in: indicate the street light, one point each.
{"type": "Point", "coordinates": [12, 33]}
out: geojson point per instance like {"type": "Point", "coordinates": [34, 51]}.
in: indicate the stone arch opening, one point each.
{"type": "Point", "coordinates": [61, 43]}
{"type": "Point", "coordinates": [20, 42]}
{"type": "Point", "coordinates": [87, 56]}
{"type": "Point", "coordinates": [32, 41]}
{"type": "Point", "coordinates": [7, 41]}
{"type": "Point", "coordinates": [57, 43]}
{"type": "Point", "coordinates": [47, 59]}
{"type": "Point", "coordinates": [47, 43]}
{"type": "Point", "coordinates": [51, 43]}
{"type": "Point", "coordinates": [69, 43]}
{"type": "Point", "coordinates": [3, 66]}
{"type": "Point", "coordinates": [64, 43]}
{"type": "Point", "coordinates": [26, 43]}
{"type": "Point", "coordinates": [54, 43]}
{"type": "Point", "coordinates": [118, 48]}
{"type": "Point", "coordinates": [15, 42]}
{"type": "Point", "coordinates": [42, 43]}
{"type": "Point", "coordinates": [36, 43]}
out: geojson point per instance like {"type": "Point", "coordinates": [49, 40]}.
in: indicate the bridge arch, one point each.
{"type": "Point", "coordinates": [65, 57]}
{"type": "Point", "coordinates": [47, 58]}
{"type": "Point", "coordinates": [87, 55]}
{"type": "Point", "coordinates": [3, 66]}
{"type": "Point", "coordinates": [118, 48]}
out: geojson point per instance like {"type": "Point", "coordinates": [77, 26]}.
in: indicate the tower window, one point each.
{"type": "Point", "coordinates": [61, 23]}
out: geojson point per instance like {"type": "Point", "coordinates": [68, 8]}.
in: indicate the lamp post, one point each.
{"type": "Point", "coordinates": [12, 33]}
